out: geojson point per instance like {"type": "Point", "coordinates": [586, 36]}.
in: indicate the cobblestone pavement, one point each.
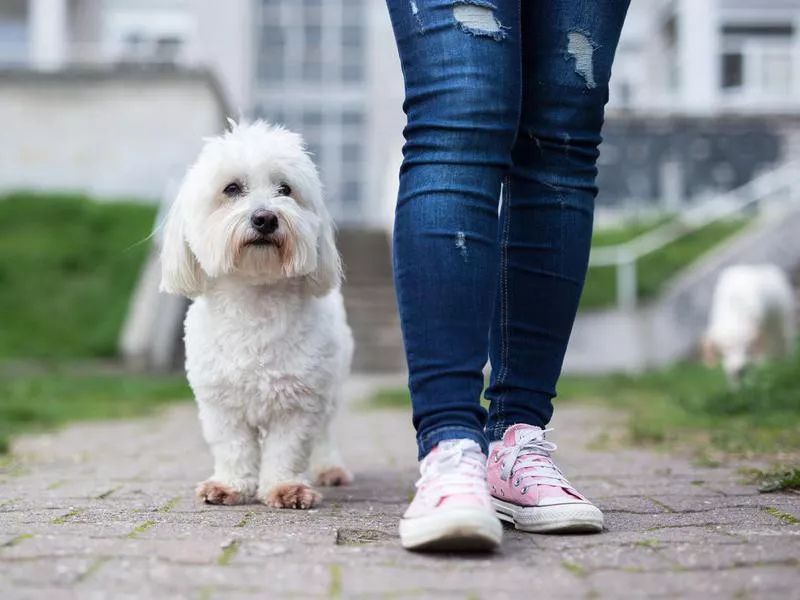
{"type": "Point", "coordinates": [107, 511]}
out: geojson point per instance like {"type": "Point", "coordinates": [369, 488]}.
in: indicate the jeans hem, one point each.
{"type": "Point", "coordinates": [495, 433]}
{"type": "Point", "coordinates": [428, 442]}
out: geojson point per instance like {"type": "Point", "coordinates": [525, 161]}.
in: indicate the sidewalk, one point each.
{"type": "Point", "coordinates": [108, 511]}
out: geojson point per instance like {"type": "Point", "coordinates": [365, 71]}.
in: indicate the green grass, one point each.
{"type": "Point", "coordinates": [782, 516]}
{"type": "Point", "coordinates": [68, 266]}
{"type": "Point", "coordinates": [621, 234]}
{"type": "Point", "coordinates": [36, 402]}
{"type": "Point", "coordinates": [655, 270]}
{"type": "Point", "coordinates": [229, 552]}
{"type": "Point", "coordinates": [778, 479]}
{"type": "Point", "coordinates": [691, 406]}
{"type": "Point", "coordinates": [140, 528]}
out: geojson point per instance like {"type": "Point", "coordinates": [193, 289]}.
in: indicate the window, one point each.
{"type": "Point", "coordinates": [168, 49]}
{"type": "Point", "coordinates": [312, 119]}
{"type": "Point", "coordinates": [353, 38]}
{"type": "Point", "coordinates": [270, 55]}
{"type": "Point", "coordinates": [351, 154]}
{"type": "Point", "coordinates": [776, 73]}
{"type": "Point", "coordinates": [313, 53]}
{"type": "Point", "coordinates": [351, 193]}
{"type": "Point", "coordinates": [353, 72]}
{"type": "Point", "coordinates": [774, 30]}
{"type": "Point", "coordinates": [757, 60]}
{"type": "Point", "coordinates": [732, 70]}
{"type": "Point", "coordinates": [312, 67]}
{"type": "Point", "coordinates": [352, 117]}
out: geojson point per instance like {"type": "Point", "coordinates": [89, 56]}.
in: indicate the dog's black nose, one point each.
{"type": "Point", "coordinates": [264, 221]}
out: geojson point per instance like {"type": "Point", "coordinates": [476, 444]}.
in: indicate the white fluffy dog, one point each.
{"type": "Point", "coordinates": [267, 342]}
{"type": "Point", "coordinates": [752, 318]}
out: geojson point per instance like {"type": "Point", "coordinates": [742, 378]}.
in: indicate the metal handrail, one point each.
{"type": "Point", "coordinates": [626, 256]}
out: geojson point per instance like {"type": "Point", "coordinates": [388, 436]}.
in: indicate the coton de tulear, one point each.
{"type": "Point", "coordinates": [267, 342]}
{"type": "Point", "coordinates": [752, 318]}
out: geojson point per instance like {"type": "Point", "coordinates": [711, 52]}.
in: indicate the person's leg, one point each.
{"type": "Point", "coordinates": [568, 47]}
{"type": "Point", "coordinates": [461, 64]}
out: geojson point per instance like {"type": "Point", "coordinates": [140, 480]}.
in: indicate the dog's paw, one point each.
{"type": "Point", "coordinates": [214, 492]}
{"type": "Point", "coordinates": [291, 495]}
{"type": "Point", "coordinates": [334, 476]}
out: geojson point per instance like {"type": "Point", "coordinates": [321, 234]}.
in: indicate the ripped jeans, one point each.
{"type": "Point", "coordinates": [504, 97]}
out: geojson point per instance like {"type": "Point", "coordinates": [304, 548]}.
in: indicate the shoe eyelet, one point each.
{"type": "Point", "coordinates": [497, 457]}
{"type": "Point", "coordinates": [516, 482]}
{"type": "Point", "coordinates": [525, 490]}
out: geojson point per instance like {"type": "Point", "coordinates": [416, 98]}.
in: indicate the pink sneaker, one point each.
{"type": "Point", "coordinates": [452, 510]}
{"type": "Point", "coordinates": [528, 489]}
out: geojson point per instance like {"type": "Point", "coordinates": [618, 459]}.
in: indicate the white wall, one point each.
{"type": "Point", "coordinates": [224, 44]}
{"type": "Point", "coordinates": [666, 331]}
{"type": "Point", "coordinates": [385, 121]}
{"type": "Point", "coordinates": [104, 134]}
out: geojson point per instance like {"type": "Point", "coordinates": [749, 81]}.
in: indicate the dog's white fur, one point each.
{"type": "Point", "coordinates": [752, 318]}
{"type": "Point", "coordinates": [267, 342]}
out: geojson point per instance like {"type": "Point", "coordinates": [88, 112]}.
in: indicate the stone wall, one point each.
{"type": "Point", "coordinates": [670, 160]}
{"type": "Point", "coordinates": [110, 133]}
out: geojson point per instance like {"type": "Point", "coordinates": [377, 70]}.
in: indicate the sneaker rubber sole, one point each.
{"type": "Point", "coordinates": [557, 518]}
{"type": "Point", "coordinates": [452, 530]}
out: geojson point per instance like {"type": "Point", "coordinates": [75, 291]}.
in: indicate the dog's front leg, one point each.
{"type": "Point", "coordinates": [234, 445]}
{"type": "Point", "coordinates": [327, 465]}
{"type": "Point", "coordinates": [285, 452]}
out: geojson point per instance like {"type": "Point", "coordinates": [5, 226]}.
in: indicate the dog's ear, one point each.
{"type": "Point", "coordinates": [328, 274]}
{"type": "Point", "coordinates": [180, 271]}
{"type": "Point", "coordinates": [710, 357]}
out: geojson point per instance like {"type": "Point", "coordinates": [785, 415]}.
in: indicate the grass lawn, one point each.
{"type": "Point", "coordinates": [689, 404]}
{"type": "Point", "coordinates": [656, 269]}
{"type": "Point", "coordinates": [30, 403]}
{"type": "Point", "coordinates": [68, 266]}
{"type": "Point", "coordinates": [690, 407]}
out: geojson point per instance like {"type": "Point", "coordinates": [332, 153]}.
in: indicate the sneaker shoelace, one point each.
{"type": "Point", "coordinates": [529, 461]}
{"type": "Point", "coordinates": [457, 467]}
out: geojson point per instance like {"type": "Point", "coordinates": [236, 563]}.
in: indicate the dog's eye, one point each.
{"type": "Point", "coordinates": [233, 189]}
{"type": "Point", "coordinates": [284, 189]}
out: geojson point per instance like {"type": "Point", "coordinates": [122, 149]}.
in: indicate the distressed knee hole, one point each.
{"type": "Point", "coordinates": [461, 244]}
{"type": "Point", "coordinates": [581, 49]}
{"type": "Point", "coordinates": [478, 19]}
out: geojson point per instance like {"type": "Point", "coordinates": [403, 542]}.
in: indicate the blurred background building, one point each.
{"type": "Point", "coordinates": [329, 69]}
{"type": "Point", "coordinates": [112, 97]}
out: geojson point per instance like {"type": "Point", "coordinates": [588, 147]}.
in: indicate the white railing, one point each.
{"type": "Point", "coordinates": [625, 257]}
{"type": "Point", "coordinates": [20, 55]}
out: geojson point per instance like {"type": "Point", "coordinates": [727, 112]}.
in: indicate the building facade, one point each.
{"type": "Point", "coordinates": [709, 57]}
{"type": "Point", "coordinates": [327, 69]}
{"type": "Point", "coordinates": [50, 35]}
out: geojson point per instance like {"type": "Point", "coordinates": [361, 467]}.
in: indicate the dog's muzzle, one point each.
{"type": "Point", "coordinates": [265, 224]}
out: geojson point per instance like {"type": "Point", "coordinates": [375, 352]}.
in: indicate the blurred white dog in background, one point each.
{"type": "Point", "coordinates": [752, 318]}
{"type": "Point", "coordinates": [267, 342]}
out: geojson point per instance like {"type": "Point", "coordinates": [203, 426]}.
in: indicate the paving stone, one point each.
{"type": "Point", "coordinates": [56, 571]}
{"type": "Point", "coordinates": [476, 582]}
{"type": "Point", "coordinates": [788, 503]}
{"type": "Point", "coordinates": [298, 576]}
{"type": "Point", "coordinates": [784, 551]}
{"type": "Point", "coordinates": [628, 504]}
{"type": "Point", "coordinates": [117, 517]}
{"type": "Point", "coordinates": [758, 582]}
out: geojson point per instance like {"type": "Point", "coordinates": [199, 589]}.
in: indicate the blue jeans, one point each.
{"type": "Point", "coordinates": [506, 96]}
